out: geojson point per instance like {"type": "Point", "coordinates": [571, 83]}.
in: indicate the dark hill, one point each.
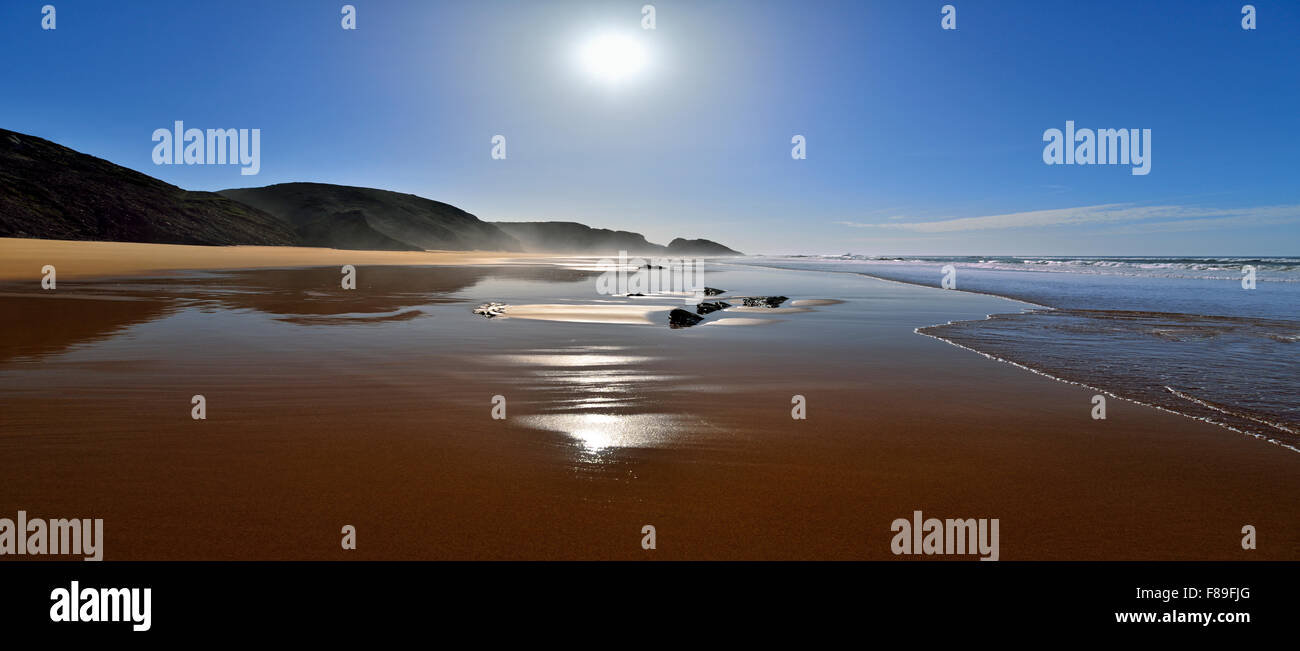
{"type": "Point", "coordinates": [349, 217]}
{"type": "Point", "coordinates": [48, 191]}
{"type": "Point", "coordinates": [686, 247]}
{"type": "Point", "coordinates": [575, 238]}
{"type": "Point", "coordinates": [579, 239]}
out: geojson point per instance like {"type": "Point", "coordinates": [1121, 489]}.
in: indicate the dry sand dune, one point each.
{"type": "Point", "coordinates": [24, 258]}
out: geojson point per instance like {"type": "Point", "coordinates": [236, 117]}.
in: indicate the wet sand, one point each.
{"type": "Point", "coordinates": [373, 408]}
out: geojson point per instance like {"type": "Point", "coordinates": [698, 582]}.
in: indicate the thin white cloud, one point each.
{"type": "Point", "coordinates": [1176, 218]}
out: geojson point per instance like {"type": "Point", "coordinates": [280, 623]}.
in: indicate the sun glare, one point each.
{"type": "Point", "coordinates": [613, 57]}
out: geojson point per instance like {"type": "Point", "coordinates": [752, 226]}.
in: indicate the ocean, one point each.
{"type": "Point", "coordinates": [1181, 334]}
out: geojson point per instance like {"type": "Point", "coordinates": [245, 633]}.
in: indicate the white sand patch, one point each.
{"type": "Point", "coordinates": [813, 302]}
{"type": "Point", "coordinates": [740, 321]}
{"type": "Point", "coordinates": [769, 310]}
{"type": "Point", "coordinates": [598, 313]}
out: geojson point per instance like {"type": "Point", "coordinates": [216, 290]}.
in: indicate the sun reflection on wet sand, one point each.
{"type": "Point", "coordinates": [573, 359]}
{"type": "Point", "coordinates": [600, 432]}
{"type": "Point", "coordinates": [592, 394]}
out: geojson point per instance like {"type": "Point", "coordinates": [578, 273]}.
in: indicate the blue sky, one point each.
{"type": "Point", "coordinates": [919, 140]}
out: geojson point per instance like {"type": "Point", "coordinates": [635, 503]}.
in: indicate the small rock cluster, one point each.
{"type": "Point", "coordinates": [711, 306]}
{"type": "Point", "coordinates": [490, 310]}
{"type": "Point", "coordinates": [764, 301]}
{"type": "Point", "coordinates": [680, 318]}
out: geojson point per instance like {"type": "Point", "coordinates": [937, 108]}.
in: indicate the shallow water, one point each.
{"type": "Point", "coordinates": [1179, 333]}
{"type": "Point", "coordinates": [404, 329]}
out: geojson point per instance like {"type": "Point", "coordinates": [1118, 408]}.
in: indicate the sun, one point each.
{"type": "Point", "coordinates": [613, 57]}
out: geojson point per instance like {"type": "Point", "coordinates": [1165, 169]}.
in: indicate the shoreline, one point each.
{"type": "Point", "coordinates": [1108, 392]}
{"type": "Point", "coordinates": [1281, 442]}
{"type": "Point", "coordinates": [903, 282]}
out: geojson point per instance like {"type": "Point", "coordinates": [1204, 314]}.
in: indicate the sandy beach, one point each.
{"type": "Point", "coordinates": [24, 258]}
{"type": "Point", "coordinates": [374, 408]}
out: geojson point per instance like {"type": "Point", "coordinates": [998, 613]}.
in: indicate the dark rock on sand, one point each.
{"type": "Point", "coordinates": [680, 318]}
{"type": "Point", "coordinates": [764, 301]}
{"type": "Point", "coordinates": [711, 306]}
{"type": "Point", "coordinates": [713, 291]}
